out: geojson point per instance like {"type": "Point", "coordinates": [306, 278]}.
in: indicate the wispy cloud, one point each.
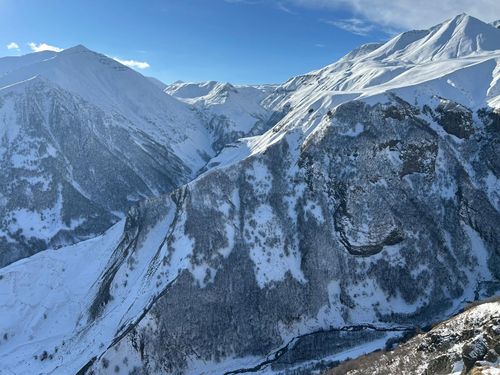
{"type": "Point", "coordinates": [251, 2]}
{"type": "Point", "coordinates": [391, 17]}
{"type": "Point", "coordinates": [133, 63]}
{"type": "Point", "coordinates": [43, 47]}
{"type": "Point", "coordinates": [281, 6]}
{"type": "Point", "coordinates": [406, 14]}
{"type": "Point", "coordinates": [320, 45]}
{"type": "Point", "coordinates": [13, 45]}
{"type": "Point", "coordinates": [353, 25]}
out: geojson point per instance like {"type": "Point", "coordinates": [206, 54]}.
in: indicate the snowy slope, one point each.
{"type": "Point", "coordinates": [157, 82]}
{"type": "Point", "coordinates": [64, 293]}
{"type": "Point", "coordinates": [84, 138]}
{"type": "Point", "coordinates": [458, 59]}
{"type": "Point", "coordinates": [461, 36]}
{"type": "Point", "coordinates": [11, 63]}
{"type": "Point", "coordinates": [371, 207]}
{"type": "Point", "coordinates": [231, 112]}
{"type": "Point", "coordinates": [115, 88]}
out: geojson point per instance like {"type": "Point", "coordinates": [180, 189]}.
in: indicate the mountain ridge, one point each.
{"type": "Point", "coordinates": [115, 135]}
{"type": "Point", "coordinates": [369, 208]}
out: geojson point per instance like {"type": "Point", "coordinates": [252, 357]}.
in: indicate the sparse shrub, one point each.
{"type": "Point", "coordinates": [105, 363]}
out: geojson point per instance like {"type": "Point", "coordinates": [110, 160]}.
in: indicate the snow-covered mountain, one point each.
{"type": "Point", "coordinates": [371, 207]}
{"type": "Point", "coordinates": [84, 137]}
{"type": "Point", "coordinates": [231, 112]}
{"type": "Point", "coordinates": [405, 61]}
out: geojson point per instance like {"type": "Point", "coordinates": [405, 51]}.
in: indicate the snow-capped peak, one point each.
{"type": "Point", "coordinates": [134, 101]}
{"type": "Point", "coordinates": [190, 90]}
{"type": "Point", "coordinates": [361, 51]}
{"type": "Point", "coordinates": [93, 76]}
{"type": "Point", "coordinates": [460, 36]}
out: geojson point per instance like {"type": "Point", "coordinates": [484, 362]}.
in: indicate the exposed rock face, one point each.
{"type": "Point", "coordinates": [329, 236]}
{"type": "Point", "coordinates": [455, 119]}
{"type": "Point", "coordinates": [467, 344]}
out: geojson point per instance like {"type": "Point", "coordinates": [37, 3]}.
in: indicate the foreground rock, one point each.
{"type": "Point", "coordinates": [468, 343]}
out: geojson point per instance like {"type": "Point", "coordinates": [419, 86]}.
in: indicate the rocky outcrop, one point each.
{"type": "Point", "coordinates": [467, 343]}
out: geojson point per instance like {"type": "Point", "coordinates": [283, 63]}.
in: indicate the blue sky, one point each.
{"type": "Point", "coordinates": [240, 41]}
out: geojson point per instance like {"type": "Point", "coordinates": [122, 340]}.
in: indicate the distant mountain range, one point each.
{"type": "Point", "coordinates": [246, 229]}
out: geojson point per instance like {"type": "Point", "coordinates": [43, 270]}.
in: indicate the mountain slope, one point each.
{"type": "Point", "coordinates": [119, 90]}
{"type": "Point", "coordinates": [408, 59]}
{"type": "Point", "coordinates": [84, 138]}
{"type": "Point", "coordinates": [231, 112]}
{"type": "Point", "coordinates": [467, 342]}
{"type": "Point", "coordinates": [370, 208]}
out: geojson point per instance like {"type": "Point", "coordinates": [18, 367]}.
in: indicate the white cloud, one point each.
{"type": "Point", "coordinates": [133, 63]}
{"type": "Point", "coordinates": [394, 16]}
{"type": "Point", "coordinates": [408, 14]}
{"type": "Point", "coordinates": [43, 47]}
{"type": "Point", "coordinates": [353, 25]}
{"type": "Point", "coordinates": [284, 8]}
{"type": "Point", "coordinates": [13, 45]}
